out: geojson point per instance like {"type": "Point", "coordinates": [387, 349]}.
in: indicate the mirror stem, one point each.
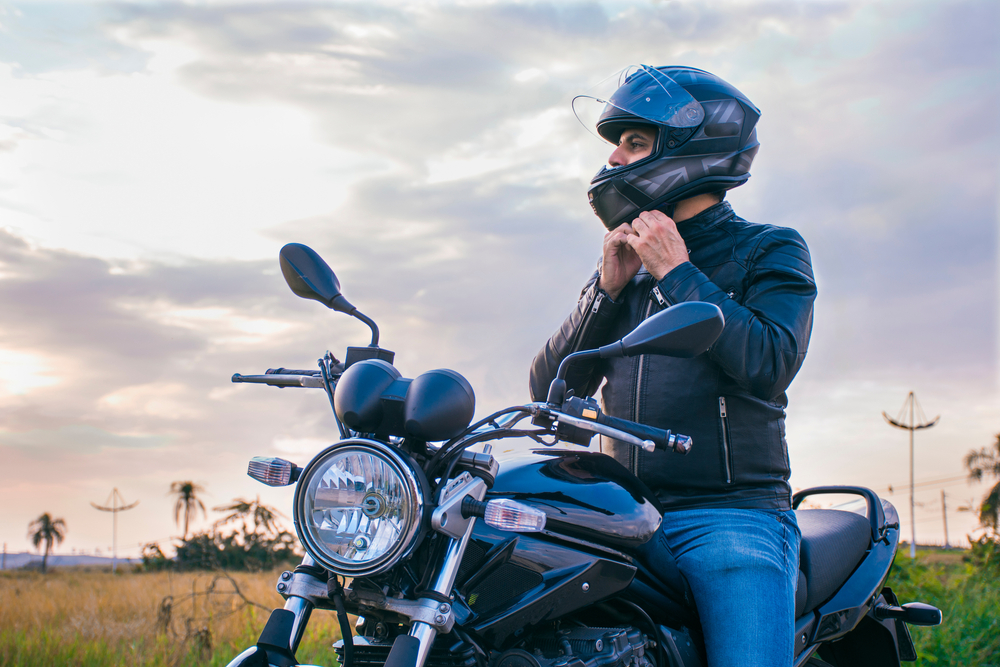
{"type": "Point", "coordinates": [557, 389]}
{"type": "Point", "coordinates": [371, 324]}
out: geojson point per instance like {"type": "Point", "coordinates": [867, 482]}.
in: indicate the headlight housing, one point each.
{"type": "Point", "coordinates": [359, 507]}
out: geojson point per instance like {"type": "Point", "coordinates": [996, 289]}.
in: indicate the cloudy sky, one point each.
{"type": "Point", "coordinates": [155, 156]}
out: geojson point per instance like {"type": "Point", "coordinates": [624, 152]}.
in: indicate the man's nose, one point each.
{"type": "Point", "coordinates": [618, 158]}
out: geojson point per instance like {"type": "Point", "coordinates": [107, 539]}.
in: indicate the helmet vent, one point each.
{"type": "Point", "coordinates": [722, 130]}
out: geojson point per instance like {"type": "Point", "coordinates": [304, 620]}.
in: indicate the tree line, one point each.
{"type": "Point", "coordinates": [249, 536]}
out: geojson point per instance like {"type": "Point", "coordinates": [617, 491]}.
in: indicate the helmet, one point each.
{"type": "Point", "coordinates": [705, 140]}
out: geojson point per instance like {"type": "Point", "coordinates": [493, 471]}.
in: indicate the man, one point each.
{"type": "Point", "coordinates": [682, 138]}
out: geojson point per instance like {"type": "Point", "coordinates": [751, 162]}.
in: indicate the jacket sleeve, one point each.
{"type": "Point", "coordinates": [587, 327]}
{"type": "Point", "coordinates": [765, 339]}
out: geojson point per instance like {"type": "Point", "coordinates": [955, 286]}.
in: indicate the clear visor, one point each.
{"type": "Point", "coordinates": [641, 91]}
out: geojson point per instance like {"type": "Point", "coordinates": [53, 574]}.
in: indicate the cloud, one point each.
{"type": "Point", "coordinates": [79, 439]}
{"type": "Point", "coordinates": [428, 153]}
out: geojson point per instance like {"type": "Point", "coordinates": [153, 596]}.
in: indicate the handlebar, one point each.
{"type": "Point", "coordinates": [283, 379]}
{"type": "Point", "coordinates": [658, 437]}
{"type": "Point", "coordinates": [577, 414]}
{"type": "Point", "coordinates": [610, 431]}
{"type": "Point", "coordinates": [592, 419]}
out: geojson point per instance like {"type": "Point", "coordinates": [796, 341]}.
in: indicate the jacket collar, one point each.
{"type": "Point", "coordinates": [705, 221]}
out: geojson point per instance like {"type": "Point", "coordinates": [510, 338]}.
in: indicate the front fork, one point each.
{"type": "Point", "coordinates": [281, 636]}
{"type": "Point", "coordinates": [431, 616]}
{"type": "Point", "coordinates": [302, 610]}
{"type": "Point", "coordinates": [443, 584]}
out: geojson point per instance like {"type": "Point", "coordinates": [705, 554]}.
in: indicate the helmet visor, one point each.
{"type": "Point", "coordinates": [641, 94]}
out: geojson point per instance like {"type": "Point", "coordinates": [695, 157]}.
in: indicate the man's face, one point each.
{"type": "Point", "coordinates": [634, 144]}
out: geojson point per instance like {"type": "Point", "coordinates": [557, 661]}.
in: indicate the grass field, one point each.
{"type": "Point", "coordinates": [85, 618]}
{"type": "Point", "coordinates": [968, 594]}
{"type": "Point", "coordinates": [79, 617]}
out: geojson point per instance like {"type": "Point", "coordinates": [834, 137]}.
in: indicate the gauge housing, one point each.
{"type": "Point", "coordinates": [373, 398]}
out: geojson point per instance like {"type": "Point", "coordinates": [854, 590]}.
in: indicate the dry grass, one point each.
{"type": "Point", "coordinates": [91, 617]}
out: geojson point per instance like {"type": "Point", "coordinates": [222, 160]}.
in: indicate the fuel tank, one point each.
{"type": "Point", "coordinates": [597, 512]}
{"type": "Point", "coordinates": [585, 495]}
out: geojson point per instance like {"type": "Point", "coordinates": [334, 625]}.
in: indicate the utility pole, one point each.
{"type": "Point", "coordinates": [944, 515]}
{"type": "Point", "coordinates": [115, 509]}
{"type": "Point", "coordinates": [911, 402]}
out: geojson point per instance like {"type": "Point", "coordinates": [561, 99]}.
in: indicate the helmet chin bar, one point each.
{"type": "Point", "coordinates": [631, 206]}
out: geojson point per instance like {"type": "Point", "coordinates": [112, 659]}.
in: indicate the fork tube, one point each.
{"type": "Point", "coordinates": [302, 609]}
{"type": "Point", "coordinates": [442, 584]}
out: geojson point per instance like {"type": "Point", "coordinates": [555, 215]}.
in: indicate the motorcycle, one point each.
{"type": "Point", "coordinates": [451, 557]}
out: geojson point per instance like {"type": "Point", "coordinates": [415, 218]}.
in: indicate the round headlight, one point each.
{"type": "Point", "coordinates": [359, 507]}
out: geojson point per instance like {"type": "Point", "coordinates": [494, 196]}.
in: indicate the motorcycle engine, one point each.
{"type": "Point", "coordinates": [581, 647]}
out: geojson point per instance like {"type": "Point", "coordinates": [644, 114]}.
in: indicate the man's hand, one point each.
{"type": "Point", "coordinates": [620, 263]}
{"type": "Point", "coordinates": [656, 242]}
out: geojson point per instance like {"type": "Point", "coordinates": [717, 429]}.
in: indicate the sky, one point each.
{"type": "Point", "coordinates": [155, 156]}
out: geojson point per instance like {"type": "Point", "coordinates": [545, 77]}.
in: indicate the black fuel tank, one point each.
{"type": "Point", "coordinates": [585, 495]}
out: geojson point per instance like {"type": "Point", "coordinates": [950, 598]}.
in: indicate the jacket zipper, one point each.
{"type": "Point", "coordinates": [660, 299]}
{"type": "Point", "coordinates": [597, 302]}
{"type": "Point", "coordinates": [587, 323]}
{"type": "Point", "coordinates": [634, 457]}
{"type": "Point", "coordinates": [723, 416]}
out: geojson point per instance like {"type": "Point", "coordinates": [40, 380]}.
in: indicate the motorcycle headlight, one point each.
{"type": "Point", "coordinates": [359, 507]}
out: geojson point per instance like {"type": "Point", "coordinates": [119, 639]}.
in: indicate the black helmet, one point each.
{"type": "Point", "coordinates": [705, 140]}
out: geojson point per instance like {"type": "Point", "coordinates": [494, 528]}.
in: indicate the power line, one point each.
{"type": "Point", "coordinates": [937, 484]}
{"type": "Point", "coordinates": [929, 482]}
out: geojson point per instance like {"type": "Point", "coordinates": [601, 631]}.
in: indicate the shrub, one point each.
{"type": "Point", "coordinates": [251, 552]}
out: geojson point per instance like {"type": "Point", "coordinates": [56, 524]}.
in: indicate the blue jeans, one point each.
{"type": "Point", "coordinates": [742, 566]}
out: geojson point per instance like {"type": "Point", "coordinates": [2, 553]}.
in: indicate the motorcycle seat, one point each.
{"type": "Point", "coordinates": [833, 544]}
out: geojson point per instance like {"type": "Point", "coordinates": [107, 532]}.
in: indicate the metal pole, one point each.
{"type": "Point", "coordinates": [114, 533]}
{"type": "Point", "coordinates": [913, 514]}
{"type": "Point", "coordinates": [911, 427]}
{"type": "Point", "coordinates": [115, 509]}
{"type": "Point", "coordinates": [944, 515]}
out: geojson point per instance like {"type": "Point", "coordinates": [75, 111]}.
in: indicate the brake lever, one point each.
{"type": "Point", "coordinates": [594, 427]}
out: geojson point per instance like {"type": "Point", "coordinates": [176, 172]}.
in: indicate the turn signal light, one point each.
{"type": "Point", "coordinates": [510, 515]}
{"type": "Point", "coordinates": [273, 471]}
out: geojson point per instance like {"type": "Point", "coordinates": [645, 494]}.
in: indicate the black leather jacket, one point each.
{"type": "Point", "coordinates": [731, 399]}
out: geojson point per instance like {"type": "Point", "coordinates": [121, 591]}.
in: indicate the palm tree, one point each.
{"type": "Point", "coordinates": [48, 530]}
{"type": "Point", "coordinates": [187, 502]}
{"type": "Point", "coordinates": [987, 462]}
{"type": "Point", "coordinates": [262, 516]}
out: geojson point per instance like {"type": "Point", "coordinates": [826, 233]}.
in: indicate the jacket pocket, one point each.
{"type": "Point", "coordinates": [727, 444]}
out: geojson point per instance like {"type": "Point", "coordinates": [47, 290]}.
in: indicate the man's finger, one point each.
{"type": "Point", "coordinates": [655, 216]}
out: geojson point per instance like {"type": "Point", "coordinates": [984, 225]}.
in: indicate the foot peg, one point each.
{"type": "Point", "coordinates": [914, 613]}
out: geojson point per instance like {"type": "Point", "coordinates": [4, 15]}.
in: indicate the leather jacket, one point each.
{"type": "Point", "coordinates": [731, 399]}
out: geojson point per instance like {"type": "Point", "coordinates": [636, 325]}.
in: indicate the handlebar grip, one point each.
{"type": "Point", "coordinates": [289, 371]}
{"type": "Point", "coordinates": [663, 439]}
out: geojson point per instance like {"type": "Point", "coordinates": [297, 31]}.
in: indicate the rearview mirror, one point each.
{"type": "Point", "coordinates": [312, 278]}
{"type": "Point", "coordinates": [683, 330]}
